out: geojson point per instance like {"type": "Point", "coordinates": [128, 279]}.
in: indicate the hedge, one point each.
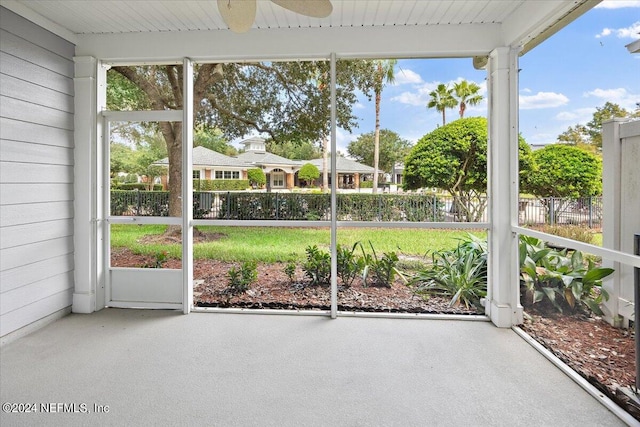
{"type": "Point", "coordinates": [220, 184]}
{"type": "Point", "coordinates": [285, 206]}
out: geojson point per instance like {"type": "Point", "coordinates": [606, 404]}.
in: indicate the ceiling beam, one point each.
{"type": "Point", "coordinates": [272, 44]}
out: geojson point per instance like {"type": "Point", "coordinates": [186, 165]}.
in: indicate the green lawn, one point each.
{"type": "Point", "coordinates": [271, 244]}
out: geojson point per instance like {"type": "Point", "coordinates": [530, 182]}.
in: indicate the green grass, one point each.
{"type": "Point", "coordinates": [271, 244]}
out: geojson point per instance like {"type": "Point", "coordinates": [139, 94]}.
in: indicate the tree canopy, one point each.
{"type": "Point", "coordinates": [306, 150]}
{"type": "Point", "coordinates": [286, 100]}
{"type": "Point", "coordinates": [256, 177]}
{"type": "Point", "coordinates": [564, 171]}
{"type": "Point", "coordinates": [454, 158]}
{"type": "Point", "coordinates": [308, 173]}
{"type": "Point", "coordinates": [466, 94]}
{"type": "Point", "coordinates": [213, 139]}
{"type": "Point", "coordinates": [442, 98]}
{"type": "Point", "coordinates": [392, 149]}
{"type": "Point", "coordinates": [589, 136]}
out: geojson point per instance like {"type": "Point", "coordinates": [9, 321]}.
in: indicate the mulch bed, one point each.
{"type": "Point", "coordinates": [600, 353]}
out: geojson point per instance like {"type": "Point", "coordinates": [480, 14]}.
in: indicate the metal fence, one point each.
{"type": "Point", "coordinates": [245, 205]}
{"type": "Point", "coordinates": [586, 211]}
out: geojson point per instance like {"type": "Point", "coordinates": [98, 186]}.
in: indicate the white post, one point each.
{"type": "Point", "coordinates": [334, 191]}
{"type": "Point", "coordinates": [187, 186]}
{"type": "Point", "coordinates": [88, 295]}
{"type": "Point", "coordinates": [504, 306]}
{"type": "Point", "coordinates": [611, 215]}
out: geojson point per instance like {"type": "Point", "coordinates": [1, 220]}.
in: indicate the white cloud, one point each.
{"type": "Point", "coordinates": [542, 100]}
{"type": "Point", "coordinates": [406, 76]}
{"type": "Point", "coordinates": [579, 115]}
{"type": "Point", "coordinates": [420, 95]}
{"type": "Point", "coordinates": [630, 32]}
{"type": "Point", "coordinates": [604, 33]}
{"type": "Point", "coordinates": [619, 96]}
{"type": "Point", "coordinates": [617, 4]}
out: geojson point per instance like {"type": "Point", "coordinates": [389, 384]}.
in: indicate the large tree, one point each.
{"type": "Point", "coordinates": [454, 158]}
{"type": "Point", "coordinates": [589, 136]}
{"type": "Point", "coordinates": [466, 94]}
{"type": "Point", "coordinates": [563, 172]}
{"type": "Point", "coordinates": [442, 98]}
{"type": "Point", "coordinates": [383, 74]}
{"type": "Point", "coordinates": [285, 100]}
{"type": "Point", "coordinates": [393, 149]}
{"type": "Point", "coordinates": [295, 150]}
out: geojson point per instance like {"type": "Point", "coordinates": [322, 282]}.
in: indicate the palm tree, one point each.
{"type": "Point", "coordinates": [467, 94]}
{"type": "Point", "coordinates": [441, 99]}
{"type": "Point", "coordinates": [383, 74]}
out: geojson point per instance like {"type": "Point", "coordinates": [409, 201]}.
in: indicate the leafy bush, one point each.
{"type": "Point", "coordinates": [308, 172]}
{"type": "Point", "coordinates": [240, 280]}
{"type": "Point", "coordinates": [563, 280]}
{"type": "Point", "coordinates": [290, 271]}
{"type": "Point", "coordinates": [256, 177]}
{"type": "Point", "coordinates": [460, 274]}
{"type": "Point", "coordinates": [220, 184]}
{"type": "Point", "coordinates": [366, 184]}
{"type": "Point", "coordinates": [317, 267]}
{"type": "Point", "coordinates": [382, 270]}
{"type": "Point", "coordinates": [140, 186]}
{"type": "Point", "coordinates": [349, 265]}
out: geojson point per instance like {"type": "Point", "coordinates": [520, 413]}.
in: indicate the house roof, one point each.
{"type": "Point", "coordinates": [264, 158]}
{"type": "Point", "coordinates": [204, 157]}
{"type": "Point", "coordinates": [343, 165]}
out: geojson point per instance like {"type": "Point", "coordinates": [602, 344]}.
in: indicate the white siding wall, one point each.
{"type": "Point", "coordinates": [36, 173]}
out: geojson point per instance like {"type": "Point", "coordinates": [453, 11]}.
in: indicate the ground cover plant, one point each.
{"type": "Point", "coordinates": [459, 274]}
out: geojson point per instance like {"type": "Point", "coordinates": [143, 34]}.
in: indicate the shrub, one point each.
{"type": "Point", "coordinates": [382, 270]}
{"type": "Point", "coordinates": [366, 184]}
{"type": "Point", "coordinates": [140, 186]}
{"type": "Point", "coordinates": [349, 265]}
{"type": "Point", "coordinates": [240, 280]}
{"type": "Point", "coordinates": [256, 177]}
{"type": "Point", "coordinates": [308, 172]}
{"type": "Point", "coordinates": [220, 184]}
{"type": "Point", "coordinates": [565, 281]}
{"type": "Point", "coordinates": [317, 267]}
{"type": "Point", "coordinates": [290, 271]}
{"type": "Point", "coordinates": [460, 274]}
{"type": "Point", "coordinates": [575, 232]}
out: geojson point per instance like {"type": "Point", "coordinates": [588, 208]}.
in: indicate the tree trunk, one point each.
{"type": "Point", "coordinates": [376, 145]}
{"type": "Point", "coordinates": [325, 165]}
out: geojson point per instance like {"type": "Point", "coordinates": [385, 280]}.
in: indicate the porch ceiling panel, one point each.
{"type": "Point", "coordinates": [434, 28]}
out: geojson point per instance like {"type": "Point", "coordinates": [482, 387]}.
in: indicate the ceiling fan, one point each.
{"type": "Point", "coordinates": [239, 15]}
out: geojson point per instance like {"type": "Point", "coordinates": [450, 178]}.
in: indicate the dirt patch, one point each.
{"type": "Point", "coordinates": [600, 353]}
{"type": "Point", "coordinates": [173, 238]}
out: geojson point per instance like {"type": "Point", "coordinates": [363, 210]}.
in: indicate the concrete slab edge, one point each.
{"type": "Point", "coordinates": [597, 394]}
{"type": "Point", "coordinates": [326, 313]}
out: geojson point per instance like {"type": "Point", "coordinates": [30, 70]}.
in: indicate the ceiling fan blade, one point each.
{"type": "Point", "coordinates": [239, 15]}
{"type": "Point", "coordinates": [312, 8]}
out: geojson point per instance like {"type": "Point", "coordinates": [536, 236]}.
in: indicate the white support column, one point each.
{"type": "Point", "coordinates": [88, 295]}
{"type": "Point", "coordinates": [503, 294]}
{"type": "Point", "coordinates": [334, 191]}
{"type": "Point", "coordinates": [612, 215]}
{"type": "Point", "coordinates": [187, 186]}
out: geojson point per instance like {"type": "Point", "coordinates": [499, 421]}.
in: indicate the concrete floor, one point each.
{"type": "Point", "coordinates": [165, 368]}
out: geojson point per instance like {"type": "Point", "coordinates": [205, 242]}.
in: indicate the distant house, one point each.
{"type": "Point", "coordinates": [350, 172]}
{"type": "Point", "coordinates": [281, 173]}
{"type": "Point", "coordinates": [209, 164]}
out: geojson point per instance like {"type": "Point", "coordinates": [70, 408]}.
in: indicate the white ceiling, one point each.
{"type": "Point", "coordinates": [122, 29]}
{"type": "Point", "coordinates": [106, 17]}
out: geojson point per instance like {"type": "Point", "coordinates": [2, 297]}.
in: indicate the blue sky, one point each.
{"type": "Point", "coordinates": [562, 81]}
